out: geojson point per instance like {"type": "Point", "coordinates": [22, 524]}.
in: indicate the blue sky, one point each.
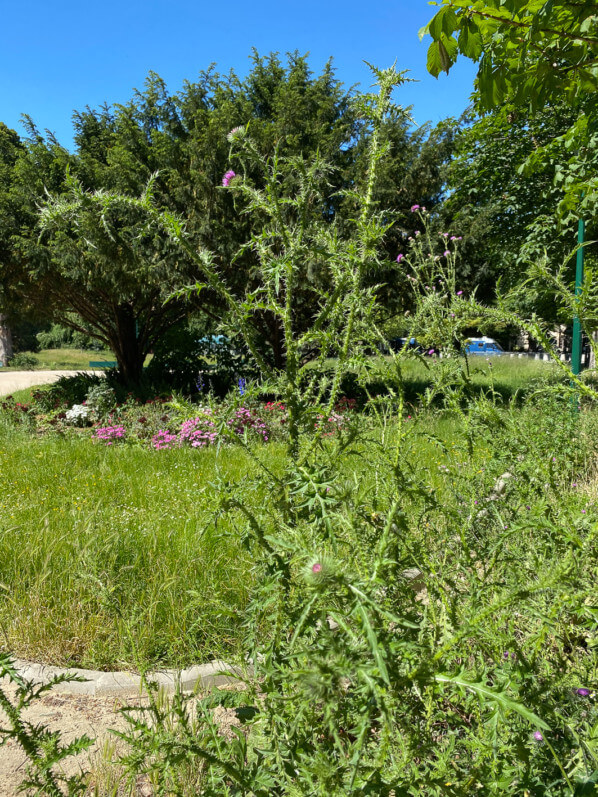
{"type": "Point", "coordinates": [62, 56]}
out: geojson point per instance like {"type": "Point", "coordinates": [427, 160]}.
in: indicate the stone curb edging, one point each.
{"type": "Point", "coordinates": [98, 683]}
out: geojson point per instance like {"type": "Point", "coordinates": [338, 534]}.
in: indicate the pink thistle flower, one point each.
{"type": "Point", "coordinates": [414, 208]}
{"type": "Point", "coordinates": [228, 177]}
{"type": "Point", "coordinates": [400, 257]}
{"type": "Point", "coordinates": [459, 293]}
{"type": "Point", "coordinates": [315, 568]}
{"type": "Point", "coordinates": [538, 736]}
{"type": "Point", "coordinates": [446, 253]}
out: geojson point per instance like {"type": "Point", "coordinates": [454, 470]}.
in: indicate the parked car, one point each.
{"type": "Point", "coordinates": [485, 346]}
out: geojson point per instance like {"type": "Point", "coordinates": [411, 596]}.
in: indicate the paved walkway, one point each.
{"type": "Point", "coordinates": [19, 380]}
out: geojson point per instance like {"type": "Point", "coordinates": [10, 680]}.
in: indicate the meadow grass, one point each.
{"type": "Point", "coordinates": [111, 554]}
{"type": "Point", "coordinates": [65, 359]}
{"type": "Point", "coordinates": [68, 359]}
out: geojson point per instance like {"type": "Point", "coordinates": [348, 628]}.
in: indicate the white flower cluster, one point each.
{"type": "Point", "coordinates": [77, 415]}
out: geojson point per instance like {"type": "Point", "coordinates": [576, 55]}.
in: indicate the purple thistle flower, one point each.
{"type": "Point", "coordinates": [582, 692]}
{"type": "Point", "coordinates": [538, 736]}
{"type": "Point", "coordinates": [446, 253]}
{"type": "Point", "coordinates": [400, 257]}
{"type": "Point", "coordinates": [431, 351]}
{"type": "Point", "coordinates": [315, 568]}
{"type": "Point", "coordinates": [414, 208]}
{"type": "Point", "coordinates": [459, 293]}
{"type": "Point", "coordinates": [228, 177]}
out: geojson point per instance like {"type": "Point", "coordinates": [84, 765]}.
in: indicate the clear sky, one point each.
{"type": "Point", "coordinates": [62, 56]}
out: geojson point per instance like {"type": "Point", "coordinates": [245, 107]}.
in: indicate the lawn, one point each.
{"type": "Point", "coordinates": [64, 359]}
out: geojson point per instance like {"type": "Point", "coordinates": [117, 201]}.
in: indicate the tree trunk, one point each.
{"type": "Point", "coordinates": [5, 341]}
{"type": "Point", "coordinates": [125, 345]}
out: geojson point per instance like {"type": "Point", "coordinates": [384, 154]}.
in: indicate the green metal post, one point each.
{"type": "Point", "coordinates": [576, 342]}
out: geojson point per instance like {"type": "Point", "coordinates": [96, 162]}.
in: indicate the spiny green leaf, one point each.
{"type": "Point", "coordinates": [487, 693]}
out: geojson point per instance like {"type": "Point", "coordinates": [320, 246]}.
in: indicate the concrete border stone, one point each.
{"type": "Point", "coordinates": [97, 682]}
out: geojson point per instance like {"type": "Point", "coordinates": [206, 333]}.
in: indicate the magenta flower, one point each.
{"type": "Point", "coordinates": [228, 177]}
{"type": "Point", "coordinates": [582, 692]}
{"type": "Point", "coordinates": [459, 293]}
{"type": "Point", "coordinates": [400, 257]}
{"type": "Point", "coordinates": [538, 736]}
{"type": "Point", "coordinates": [431, 351]}
{"type": "Point", "coordinates": [315, 568]}
{"type": "Point", "coordinates": [414, 208]}
{"type": "Point", "coordinates": [446, 253]}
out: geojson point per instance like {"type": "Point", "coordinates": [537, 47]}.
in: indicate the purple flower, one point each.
{"type": "Point", "coordinates": [416, 233]}
{"type": "Point", "coordinates": [315, 568]}
{"type": "Point", "coordinates": [444, 234]}
{"type": "Point", "coordinates": [582, 692]}
{"type": "Point", "coordinates": [459, 293]}
{"type": "Point", "coordinates": [446, 253]}
{"type": "Point", "coordinates": [538, 736]}
{"type": "Point", "coordinates": [228, 177]}
{"type": "Point", "coordinates": [400, 257]}
{"type": "Point", "coordinates": [414, 208]}
{"type": "Point", "coordinates": [242, 384]}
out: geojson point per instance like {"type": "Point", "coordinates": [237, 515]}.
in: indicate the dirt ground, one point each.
{"type": "Point", "coordinates": [73, 716]}
{"type": "Point", "coordinates": [76, 715]}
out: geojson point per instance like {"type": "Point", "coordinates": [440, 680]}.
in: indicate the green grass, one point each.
{"type": "Point", "coordinates": [101, 547]}
{"type": "Point", "coordinates": [110, 556]}
{"type": "Point", "coordinates": [65, 359]}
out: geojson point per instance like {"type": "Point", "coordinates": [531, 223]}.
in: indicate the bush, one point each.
{"type": "Point", "coordinates": [26, 362]}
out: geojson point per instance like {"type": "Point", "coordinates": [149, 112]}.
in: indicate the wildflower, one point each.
{"type": "Point", "coordinates": [444, 234]}
{"type": "Point", "coordinates": [446, 253]}
{"type": "Point", "coordinates": [400, 257]}
{"type": "Point", "coordinates": [414, 208]}
{"type": "Point", "coordinates": [431, 351]}
{"type": "Point", "coordinates": [242, 383]}
{"type": "Point", "coordinates": [459, 293]}
{"type": "Point", "coordinates": [228, 177]}
{"type": "Point", "coordinates": [582, 692]}
{"type": "Point", "coordinates": [316, 567]}
{"type": "Point", "coordinates": [538, 736]}
{"type": "Point", "coordinates": [416, 233]}
{"type": "Point", "coordinates": [235, 134]}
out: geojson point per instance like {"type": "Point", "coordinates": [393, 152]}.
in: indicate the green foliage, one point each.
{"type": "Point", "coordinates": [532, 54]}
{"type": "Point", "coordinates": [23, 361]}
{"type": "Point", "coordinates": [530, 51]}
{"type": "Point", "coordinates": [44, 749]}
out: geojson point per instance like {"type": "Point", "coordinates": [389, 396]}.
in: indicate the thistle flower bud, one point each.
{"type": "Point", "coordinates": [236, 134]}
{"type": "Point", "coordinates": [321, 571]}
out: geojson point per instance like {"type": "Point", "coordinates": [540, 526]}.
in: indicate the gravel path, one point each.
{"type": "Point", "coordinates": [19, 380]}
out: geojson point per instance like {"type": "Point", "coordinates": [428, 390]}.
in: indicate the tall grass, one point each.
{"type": "Point", "coordinates": [94, 541]}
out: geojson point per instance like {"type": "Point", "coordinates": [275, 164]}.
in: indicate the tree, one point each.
{"type": "Point", "coordinates": [531, 53]}
{"type": "Point", "coordinates": [108, 276]}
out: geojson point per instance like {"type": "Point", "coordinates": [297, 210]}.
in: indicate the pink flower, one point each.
{"type": "Point", "coordinates": [414, 208]}
{"type": "Point", "coordinates": [400, 257]}
{"type": "Point", "coordinates": [459, 293]}
{"type": "Point", "coordinates": [446, 253]}
{"type": "Point", "coordinates": [228, 177]}
{"type": "Point", "coordinates": [316, 567]}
